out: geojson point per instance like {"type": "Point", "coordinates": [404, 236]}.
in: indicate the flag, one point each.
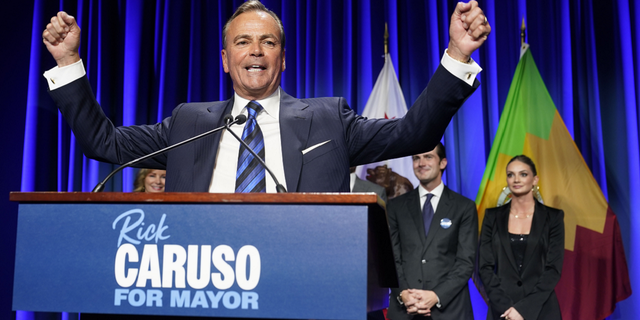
{"type": "Point", "coordinates": [594, 275]}
{"type": "Point", "coordinates": [387, 101]}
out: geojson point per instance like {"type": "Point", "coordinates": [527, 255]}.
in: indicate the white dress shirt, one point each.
{"type": "Point", "coordinates": [224, 172]}
{"type": "Point", "coordinates": [437, 195]}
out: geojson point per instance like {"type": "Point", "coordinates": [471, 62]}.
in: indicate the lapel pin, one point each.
{"type": "Point", "coordinates": [445, 223]}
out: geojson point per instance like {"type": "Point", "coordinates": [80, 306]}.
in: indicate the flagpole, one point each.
{"type": "Point", "coordinates": [387, 101]}
{"type": "Point", "coordinates": [386, 38]}
{"type": "Point", "coordinates": [523, 34]}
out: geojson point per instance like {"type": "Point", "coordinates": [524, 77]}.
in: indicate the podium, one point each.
{"type": "Point", "coordinates": [283, 256]}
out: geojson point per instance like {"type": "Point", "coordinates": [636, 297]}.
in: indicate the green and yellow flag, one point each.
{"type": "Point", "coordinates": [594, 275]}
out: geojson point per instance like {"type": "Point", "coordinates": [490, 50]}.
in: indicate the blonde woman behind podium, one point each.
{"type": "Point", "coordinates": [149, 180]}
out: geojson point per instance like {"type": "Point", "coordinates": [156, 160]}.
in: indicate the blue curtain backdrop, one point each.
{"type": "Point", "coordinates": [145, 57]}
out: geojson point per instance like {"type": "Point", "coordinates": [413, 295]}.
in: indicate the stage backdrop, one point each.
{"type": "Point", "coordinates": [145, 57]}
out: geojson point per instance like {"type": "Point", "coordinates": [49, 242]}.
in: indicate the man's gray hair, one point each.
{"type": "Point", "coordinates": [249, 6]}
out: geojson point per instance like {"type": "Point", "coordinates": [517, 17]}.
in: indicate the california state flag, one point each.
{"type": "Point", "coordinates": [594, 275]}
{"type": "Point", "coordinates": [387, 101]}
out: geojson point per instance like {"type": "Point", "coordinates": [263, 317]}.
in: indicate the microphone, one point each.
{"type": "Point", "coordinates": [240, 119]}
{"type": "Point", "coordinates": [228, 120]}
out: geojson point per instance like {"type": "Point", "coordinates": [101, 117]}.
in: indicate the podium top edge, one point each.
{"type": "Point", "coordinates": [194, 197]}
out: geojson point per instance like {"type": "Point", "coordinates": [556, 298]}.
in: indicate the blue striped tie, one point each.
{"type": "Point", "coordinates": [250, 176]}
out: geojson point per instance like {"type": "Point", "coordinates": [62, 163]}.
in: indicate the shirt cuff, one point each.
{"type": "Point", "coordinates": [438, 305]}
{"type": "Point", "coordinates": [466, 72]}
{"type": "Point", "coordinates": [58, 77]}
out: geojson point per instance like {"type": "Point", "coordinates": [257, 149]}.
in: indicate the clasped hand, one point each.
{"type": "Point", "coordinates": [419, 301]}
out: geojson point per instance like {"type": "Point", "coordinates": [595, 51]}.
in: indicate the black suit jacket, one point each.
{"type": "Point", "coordinates": [442, 261]}
{"type": "Point", "coordinates": [532, 292]}
{"type": "Point", "coordinates": [352, 139]}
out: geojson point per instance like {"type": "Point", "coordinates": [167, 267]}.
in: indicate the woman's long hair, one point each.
{"type": "Point", "coordinates": [138, 183]}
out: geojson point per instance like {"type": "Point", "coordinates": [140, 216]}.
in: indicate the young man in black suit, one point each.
{"type": "Point", "coordinates": [433, 267]}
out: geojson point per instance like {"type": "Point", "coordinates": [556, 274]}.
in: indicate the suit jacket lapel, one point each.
{"type": "Point", "coordinates": [412, 206]}
{"type": "Point", "coordinates": [295, 121]}
{"type": "Point", "coordinates": [537, 226]}
{"type": "Point", "coordinates": [206, 148]}
{"type": "Point", "coordinates": [441, 212]}
{"type": "Point", "coordinates": [502, 222]}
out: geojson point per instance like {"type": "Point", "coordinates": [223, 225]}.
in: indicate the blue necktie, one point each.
{"type": "Point", "coordinates": [250, 176]}
{"type": "Point", "coordinates": [427, 213]}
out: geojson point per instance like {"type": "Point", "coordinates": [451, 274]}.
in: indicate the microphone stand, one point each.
{"type": "Point", "coordinates": [228, 120]}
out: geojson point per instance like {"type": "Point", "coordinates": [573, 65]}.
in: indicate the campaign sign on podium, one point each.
{"type": "Point", "coordinates": [247, 260]}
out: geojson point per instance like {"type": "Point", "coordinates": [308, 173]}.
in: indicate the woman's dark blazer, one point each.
{"type": "Point", "coordinates": [532, 292]}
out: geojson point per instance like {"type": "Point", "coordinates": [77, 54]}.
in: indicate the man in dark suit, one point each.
{"type": "Point", "coordinates": [434, 232]}
{"type": "Point", "coordinates": [308, 143]}
{"type": "Point", "coordinates": [359, 185]}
